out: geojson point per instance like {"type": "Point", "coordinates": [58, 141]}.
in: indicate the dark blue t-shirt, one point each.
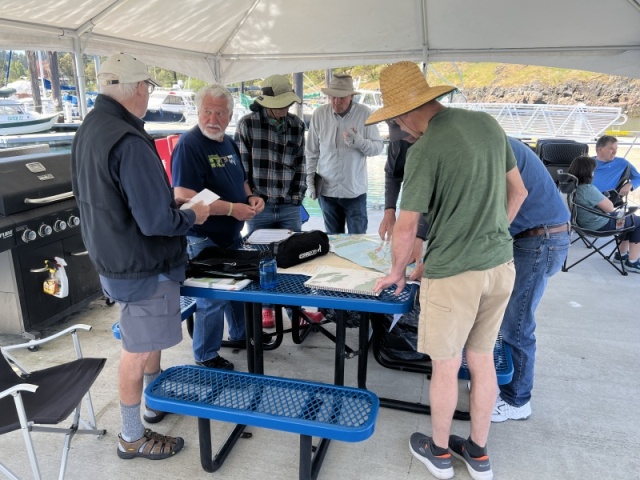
{"type": "Point", "coordinates": [197, 163]}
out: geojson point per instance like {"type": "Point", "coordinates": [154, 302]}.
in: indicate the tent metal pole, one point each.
{"type": "Point", "coordinates": [82, 96]}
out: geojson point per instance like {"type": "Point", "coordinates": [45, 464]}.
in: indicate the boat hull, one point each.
{"type": "Point", "coordinates": [28, 125]}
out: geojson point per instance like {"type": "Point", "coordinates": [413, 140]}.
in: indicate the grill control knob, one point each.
{"type": "Point", "coordinates": [59, 226]}
{"type": "Point", "coordinates": [73, 221]}
{"type": "Point", "coordinates": [45, 230]}
{"type": "Point", "coordinates": [28, 236]}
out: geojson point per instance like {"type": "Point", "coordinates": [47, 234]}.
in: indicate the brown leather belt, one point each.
{"type": "Point", "coordinates": [537, 232]}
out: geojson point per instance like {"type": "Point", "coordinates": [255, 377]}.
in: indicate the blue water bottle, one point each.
{"type": "Point", "coordinates": [268, 271]}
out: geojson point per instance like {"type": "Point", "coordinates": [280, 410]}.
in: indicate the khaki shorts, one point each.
{"type": "Point", "coordinates": [153, 323]}
{"type": "Point", "coordinates": [464, 310]}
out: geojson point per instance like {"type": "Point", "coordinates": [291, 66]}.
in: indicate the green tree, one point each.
{"type": "Point", "coordinates": [66, 68]}
{"type": "Point", "coordinates": [17, 71]}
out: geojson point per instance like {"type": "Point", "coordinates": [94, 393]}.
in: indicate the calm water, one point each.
{"type": "Point", "coordinates": [375, 194]}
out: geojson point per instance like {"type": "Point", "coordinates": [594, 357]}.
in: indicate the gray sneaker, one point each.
{"type": "Point", "coordinates": [479, 468]}
{"type": "Point", "coordinates": [439, 466]}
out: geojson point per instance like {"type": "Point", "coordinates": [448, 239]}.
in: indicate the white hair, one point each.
{"type": "Point", "coordinates": [214, 90]}
{"type": "Point", "coordinates": [120, 92]}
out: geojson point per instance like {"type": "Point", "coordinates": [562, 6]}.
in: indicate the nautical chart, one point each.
{"type": "Point", "coordinates": [365, 250]}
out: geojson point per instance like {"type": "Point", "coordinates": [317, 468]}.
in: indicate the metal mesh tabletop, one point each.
{"type": "Point", "coordinates": [187, 306]}
{"type": "Point", "coordinates": [291, 291]}
{"type": "Point", "coordinates": [308, 408]}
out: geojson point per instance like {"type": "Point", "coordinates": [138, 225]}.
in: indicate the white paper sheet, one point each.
{"type": "Point", "coordinates": [269, 235]}
{"type": "Point", "coordinates": [206, 196]}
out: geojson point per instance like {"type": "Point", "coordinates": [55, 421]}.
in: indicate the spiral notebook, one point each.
{"type": "Point", "coordinates": [217, 283]}
{"type": "Point", "coordinates": [348, 280]}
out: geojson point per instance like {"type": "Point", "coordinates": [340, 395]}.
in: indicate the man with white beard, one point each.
{"type": "Point", "coordinates": [205, 157]}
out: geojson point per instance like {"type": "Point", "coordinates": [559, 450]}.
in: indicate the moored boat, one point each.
{"type": "Point", "coordinates": [15, 120]}
{"type": "Point", "coordinates": [171, 106]}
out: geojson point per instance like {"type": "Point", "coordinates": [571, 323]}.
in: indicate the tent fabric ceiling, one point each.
{"type": "Point", "coordinates": [229, 41]}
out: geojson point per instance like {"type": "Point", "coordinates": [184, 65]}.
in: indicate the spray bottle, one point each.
{"type": "Point", "coordinates": [61, 275]}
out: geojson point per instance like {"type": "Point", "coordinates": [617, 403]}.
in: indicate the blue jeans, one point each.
{"type": "Point", "coordinates": [536, 260]}
{"type": "Point", "coordinates": [277, 216]}
{"type": "Point", "coordinates": [336, 211]}
{"type": "Point", "coordinates": [208, 326]}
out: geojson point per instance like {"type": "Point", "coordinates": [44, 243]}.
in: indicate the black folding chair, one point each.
{"type": "Point", "coordinates": [567, 184]}
{"type": "Point", "coordinates": [30, 400]}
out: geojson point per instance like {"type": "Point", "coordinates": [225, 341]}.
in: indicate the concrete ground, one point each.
{"type": "Point", "coordinates": [584, 424]}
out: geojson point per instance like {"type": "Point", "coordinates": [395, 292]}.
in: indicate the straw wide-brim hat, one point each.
{"type": "Point", "coordinates": [341, 86]}
{"type": "Point", "coordinates": [404, 89]}
{"type": "Point", "coordinates": [277, 93]}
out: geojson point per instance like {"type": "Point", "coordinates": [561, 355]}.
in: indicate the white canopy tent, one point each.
{"type": "Point", "coordinates": [233, 40]}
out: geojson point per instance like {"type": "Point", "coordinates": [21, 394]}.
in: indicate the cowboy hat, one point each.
{"type": "Point", "coordinates": [123, 68]}
{"type": "Point", "coordinates": [277, 93]}
{"type": "Point", "coordinates": [341, 86]}
{"type": "Point", "coordinates": [404, 89]}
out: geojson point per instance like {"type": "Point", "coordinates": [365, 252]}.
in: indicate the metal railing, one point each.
{"type": "Point", "coordinates": [578, 122]}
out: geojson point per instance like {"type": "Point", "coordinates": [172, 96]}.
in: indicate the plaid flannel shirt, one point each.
{"type": "Point", "coordinates": [273, 160]}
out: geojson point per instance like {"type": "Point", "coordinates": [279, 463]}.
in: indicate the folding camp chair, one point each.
{"type": "Point", "coordinates": [30, 400]}
{"type": "Point", "coordinates": [567, 184]}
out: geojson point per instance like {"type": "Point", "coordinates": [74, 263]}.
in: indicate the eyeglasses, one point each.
{"type": "Point", "coordinates": [392, 122]}
{"type": "Point", "coordinates": [150, 86]}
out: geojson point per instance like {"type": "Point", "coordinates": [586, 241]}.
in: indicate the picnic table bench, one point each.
{"type": "Point", "coordinates": [331, 412]}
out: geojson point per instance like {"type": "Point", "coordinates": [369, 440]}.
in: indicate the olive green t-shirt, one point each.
{"type": "Point", "coordinates": [456, 175]}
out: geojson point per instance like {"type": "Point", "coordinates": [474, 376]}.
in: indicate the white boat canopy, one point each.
{"type": "Point", "coordinates": [229, 41]}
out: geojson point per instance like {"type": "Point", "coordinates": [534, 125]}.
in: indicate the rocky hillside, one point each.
{"type": "Point", "coordinates": [623, 93]}
{"type": "Point", "coordinates": [526, 84]}
{"type": "Point", "coordinates": [504, 83]}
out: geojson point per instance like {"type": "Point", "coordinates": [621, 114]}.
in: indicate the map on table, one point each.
{"type": "Point", "coordinates": [367, 250]}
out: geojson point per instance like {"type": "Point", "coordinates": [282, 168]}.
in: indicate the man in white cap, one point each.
{"type": "Point", "coordinates": [134, 233]}
{"type": "Point", "coordinates": [271, 144]}
{"type": "Point", "coordinates": [461, 173]}
{"type": "Point", "coordinates": [338, 145]}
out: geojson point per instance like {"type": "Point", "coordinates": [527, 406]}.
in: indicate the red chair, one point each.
{"type": "Point", "coordinates": [172, 139]}
{"type": "Point", "coordinates": [164, 150]}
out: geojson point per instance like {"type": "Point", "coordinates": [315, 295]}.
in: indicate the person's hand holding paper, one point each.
{"type": "Point", "coordinates": [206, 196]}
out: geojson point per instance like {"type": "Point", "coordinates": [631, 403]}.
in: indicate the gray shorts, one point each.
{"type": "Point", "coordinates": [154, 323]}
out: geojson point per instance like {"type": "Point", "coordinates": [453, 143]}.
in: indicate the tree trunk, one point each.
{"type": "Point", "coordinates": [55, 81]}
{"type": "Point", "coordinates": [32, 61]}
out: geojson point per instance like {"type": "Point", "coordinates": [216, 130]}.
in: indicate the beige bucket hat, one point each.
{"type": "Point", "coordinates": [123, 68]}
{"type": "Point", "coordinates": [341, 86]}
{"type": "Point", "coordinates": [404, 89]}
{"type": "Point", "coordinates": [277, 93]}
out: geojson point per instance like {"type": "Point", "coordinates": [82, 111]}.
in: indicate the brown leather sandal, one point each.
{"type": "Point", "coordinates": [151, 445]}
{"type": "Point", "coordinates": [158, 416]}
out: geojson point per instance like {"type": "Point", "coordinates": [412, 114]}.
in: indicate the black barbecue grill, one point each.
{"type": "Point", "coordinates": [39, 220]}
